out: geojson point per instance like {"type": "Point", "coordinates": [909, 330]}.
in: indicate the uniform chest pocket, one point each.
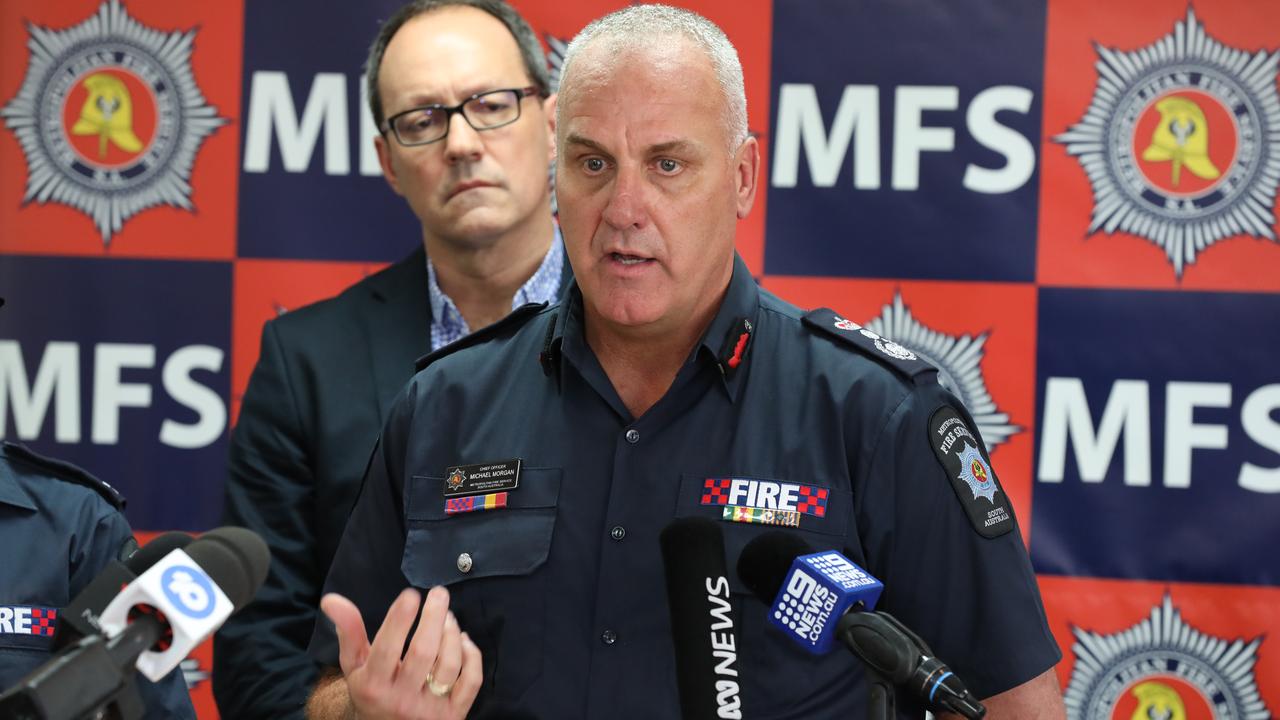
{"type": "Point", "coordinates": [489, 559]}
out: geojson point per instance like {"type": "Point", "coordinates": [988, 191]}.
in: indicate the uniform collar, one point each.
{"type": "Point", "coordinates": [726, 343]}
{"type": "Point", "coordinates": [11, 491]}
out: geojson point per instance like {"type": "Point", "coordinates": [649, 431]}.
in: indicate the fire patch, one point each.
{"type": "Point", "coordinates": [28, 620]}
{"type": "Point", "coordinates": [749, 493]}
{"type": "Point", "coordinates": [963, 457]}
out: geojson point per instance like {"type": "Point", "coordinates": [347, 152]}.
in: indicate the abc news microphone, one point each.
{"type": "Point", "coordinates": [150, 625]}
{"type": "Point", "coordinates": [818, 598]}
{"type": "Point", "coordinates": [703, 627]}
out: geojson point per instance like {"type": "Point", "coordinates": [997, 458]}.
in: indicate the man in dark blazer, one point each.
{"type": "Point", "coordinates": [460, 92]}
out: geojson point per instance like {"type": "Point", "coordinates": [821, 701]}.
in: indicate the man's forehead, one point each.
{"type": "Point", "coordinates": [459, 50]}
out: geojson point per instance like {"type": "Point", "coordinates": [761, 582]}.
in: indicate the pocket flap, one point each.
{"type": "Point", "coordinates": [510, 540]}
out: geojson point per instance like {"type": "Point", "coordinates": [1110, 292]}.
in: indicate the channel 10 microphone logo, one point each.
{"type": "Point", "coordinates": [819, 589]}
{"type": "Point", "coordinates": [190, 591]}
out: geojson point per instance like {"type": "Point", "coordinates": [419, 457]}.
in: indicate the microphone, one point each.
{"type": "Point", "coordinates": [817, 598]}
{"type": "Point", "coordinates": [79, 619]}
{"type": "Point", "coordinates": [188, 594]}
{"type": "Point", "coordinates": [703, 626]}
{"type": "Point", "coordinates": [152, 624]}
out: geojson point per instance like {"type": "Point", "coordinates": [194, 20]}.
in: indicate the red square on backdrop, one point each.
{"type": "Point", "coordinates": [126, 149]}
{"type": "Point", "coordinates": [265, 289]}
{"type": "Point", "coordinates": [1151, 185]}
{"type": "Point", "coordinates": [1133, 646]}
{"type": "Point", "coordinates": [751, 34]}
{"type": "Point", "coordinates": [944, 321]}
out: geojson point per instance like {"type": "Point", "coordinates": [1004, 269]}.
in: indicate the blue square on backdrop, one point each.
{"type": "Point", "coordinates": [948, 95]}
{"type": "Point", "coordinates": [1159, 433]}
{"type": "Point", "coordinates": [135, 364]}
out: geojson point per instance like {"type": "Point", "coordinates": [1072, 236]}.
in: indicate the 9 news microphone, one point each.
{"type": "Point", "coordinates": [702, 623]}
{"type": "Point", "coordinates": [817, 598]}
{"type": "Point", "coordinates": [79, 619]}
{"type": "Point", "coordinates": [151, 625]}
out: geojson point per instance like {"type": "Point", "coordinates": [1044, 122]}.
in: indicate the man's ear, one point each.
{"type": "Point", "coordinates": [549, 107]}
{"type": "Point", "coordinates": [746, 174]}
{"type": "Point", "coordinates": [384, 161]}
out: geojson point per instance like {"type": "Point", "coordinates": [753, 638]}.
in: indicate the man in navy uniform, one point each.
{"type": "Point", "coordinates": [460, 93]}
{"type": "Point", "coordinates": [531, 468]}
{"type": "Point", "coordinates": [60, 527]}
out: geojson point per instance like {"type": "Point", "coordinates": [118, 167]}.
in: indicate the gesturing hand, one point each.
{"type": "Point", "coordinates": [439, 675]}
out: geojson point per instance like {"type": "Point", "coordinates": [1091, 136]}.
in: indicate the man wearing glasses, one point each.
{"type": "Point", "coordinates": [460, 92]}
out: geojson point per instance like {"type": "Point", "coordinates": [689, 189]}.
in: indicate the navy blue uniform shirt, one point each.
{"type": "Point", "coordinates": [564, 592]}
{"type": "Point", "coordinates": [59, 527]}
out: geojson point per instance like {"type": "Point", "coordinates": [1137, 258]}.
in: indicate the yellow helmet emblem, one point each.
{"type": "Point", "coordinates": [107, 113]}
{"type": "Point", "coordinates": [1183, 138]}
{"type": "Point", "coordinates": [1157, 701]}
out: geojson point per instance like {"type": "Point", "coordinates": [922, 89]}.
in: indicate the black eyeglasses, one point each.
{"type": "Point", "coordinates": [482, 111]}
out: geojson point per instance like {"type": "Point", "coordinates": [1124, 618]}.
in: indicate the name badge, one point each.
{"type": "Point", "coordinates": [482, 478]}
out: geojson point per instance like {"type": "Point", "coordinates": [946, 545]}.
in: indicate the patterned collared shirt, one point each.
{"type": "Point", "coordinates": [448, 325]}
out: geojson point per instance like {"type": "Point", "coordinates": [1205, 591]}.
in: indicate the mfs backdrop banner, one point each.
{"type": "Point", "coordinates": [1069, 206]}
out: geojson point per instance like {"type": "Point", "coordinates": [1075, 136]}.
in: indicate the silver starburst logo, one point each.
{"type": "Point", "coordinates": [1159, 667]}
{"type": "Point", "coordinates": [959, 363]}
{"type": "Point", "coordinates": [1181, 142]}
{"type": "Point", "coordinates": [109, 117]}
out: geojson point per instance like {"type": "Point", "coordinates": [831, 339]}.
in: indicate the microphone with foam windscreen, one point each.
{"type": "Point", "coordinates": [151, 625]}
{"type": "Point", "coordinates": [703, 626]}
{"type": "Point", "coordinates": [79, 619]}
{"type": "Point", "coordinates": [818, 598]}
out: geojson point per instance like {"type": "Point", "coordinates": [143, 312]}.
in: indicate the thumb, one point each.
{"type": "Point", "coordinates": [353, 642]}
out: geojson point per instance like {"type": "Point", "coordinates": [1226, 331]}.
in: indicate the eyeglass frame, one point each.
{"type": "Point", "coordinates": [388, 125]}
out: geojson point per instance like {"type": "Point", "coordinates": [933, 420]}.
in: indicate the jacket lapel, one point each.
{"type": "Point", "coordinates": [397, 318]}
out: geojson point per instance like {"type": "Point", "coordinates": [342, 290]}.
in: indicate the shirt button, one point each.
{"type": "Point", "coordinates": [618, 532]}
{"type": "Point", "coordinates": [608, 637]}
{"type": "Point", "coordinates": [464, 563]}
{"type": "Point", "coordinates": [633, 436]}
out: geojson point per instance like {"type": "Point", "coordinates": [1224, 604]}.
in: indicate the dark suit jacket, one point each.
{"type": "Point", "coordinates": [316, 401]}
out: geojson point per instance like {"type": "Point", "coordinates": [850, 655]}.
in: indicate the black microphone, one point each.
{"type": "Point", "coordinates": [703, 626]}
{"type": "Point", "coordinates": [885, 644]}
{"type": "Point", "coordinates": [151, 625]}
{"type": "Point", "coordinates": [79, 619]}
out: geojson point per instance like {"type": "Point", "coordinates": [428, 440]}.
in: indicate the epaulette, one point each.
{"type": "Point", "coordinates": [65, 471]}
{"type": "Point", "coordinates": [518, 317]}
{"type": "Point", "coordinates": [901, 359]}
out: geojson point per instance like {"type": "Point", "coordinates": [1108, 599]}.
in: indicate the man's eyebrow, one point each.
{"type": "Point", "coordinates": [420, 99]}
{"type": "Point", "coordinates": [576, 139]}
{"type": "Point", "coordinates": [680, 146]}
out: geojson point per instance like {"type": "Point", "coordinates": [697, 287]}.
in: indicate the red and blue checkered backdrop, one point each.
{"type": "Point", "coordinates": [1068, 205]}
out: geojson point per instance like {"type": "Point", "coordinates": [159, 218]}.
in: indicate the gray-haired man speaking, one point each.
{"type": "Point", "coordinates": [531, 471]}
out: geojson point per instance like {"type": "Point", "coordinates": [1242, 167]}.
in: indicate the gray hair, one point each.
{"type": "Point", "coordinates": [535, 61]}
{"type": "Point", "coordinates": [639, 26]}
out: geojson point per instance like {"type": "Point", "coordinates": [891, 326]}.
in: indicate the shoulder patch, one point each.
{"type": "Point", "coordinates": [965, 460]}
{"type": "Point", "coordinates": [899, 358]}
{"type": "Point", "coordinates": [518, 317]}
{"type": "Point", "coordinates": [65, 471]}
